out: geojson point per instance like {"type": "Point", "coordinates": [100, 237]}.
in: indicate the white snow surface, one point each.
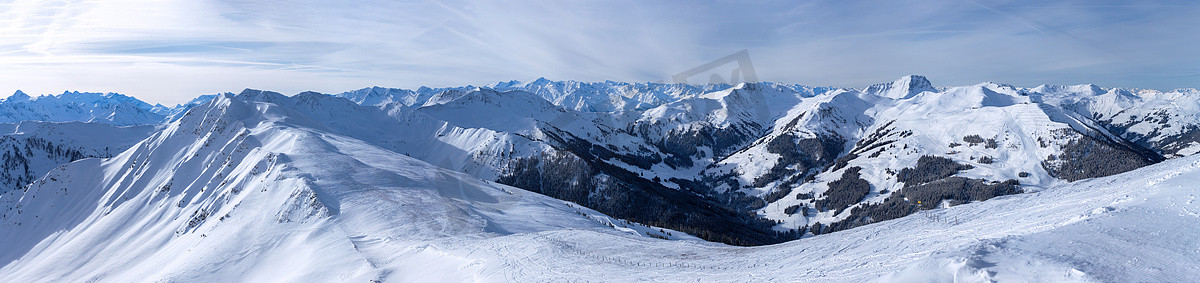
{"type": "Point", "coordinates": [1025, 134]}
{"type": "Point", "coordinates": [266, 187]}
{"type": "Point", "coordinates": [1147, 116]}
{"type": "Point", "coordinates": [255, 191]}
{"type": "Point", "coordinates": [107, 108]}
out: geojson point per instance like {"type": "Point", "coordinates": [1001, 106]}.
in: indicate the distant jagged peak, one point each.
{"type": "Point", "coordinates": [259, 95]}
{"type": "Point", "coordinates": [1081, 89]}
{"type": "Point", "coordinates": [508, 84]}
{"type": "Point", "coordinates": [202, 99]}
{"type": "Point", "coordinates": [904, 87]}
{"type": "Point", "coordinates": [96, 97]}
{"type": "Point", "coordinates": [541, 80]}
{"type": "Point", "coordinates": [1186, 90]}
{"type": "Point", "coordinates": [18, 96]}
{"type": "Point", "coordinates": [232, 107]}
{"type": "Point", "coordinates": [251, 91]}
{"type": "Point", "coordinates": [77, 97]}
{"type": "Point", "coordinates": [1093, 88]}
{"type": "Point", "coordinates": [109, 108]}
{"type": "Point", "coordinates": [449, 95]}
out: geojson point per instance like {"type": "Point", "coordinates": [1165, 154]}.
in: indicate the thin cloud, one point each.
{"type": "Point", "coordinates": [171, 51]}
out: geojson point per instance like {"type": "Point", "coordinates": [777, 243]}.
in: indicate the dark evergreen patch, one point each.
{"type": "Point", "coordinates": [841, 162]}
{"type": "Point", "coordinates": [778, 193]}
{"type": "Point", "coordinates": [792, 209]}
{"type": "Point", "coordinates": [1087, 157]}
{"type": "Point", "coordinates": [844, 192]}
{"type": "Point", "coordinates": [928, 169]}
{"type": "Point", "coordinates": [991, 143]}
{"type": "Point", "coordinates": [957, 190]}
{"type": "Point", "coordinates": [14, 163]}
{"type": "Point", "coordinates": [798, 156]}
{"type": "Point", "coordinates": [973, 139]}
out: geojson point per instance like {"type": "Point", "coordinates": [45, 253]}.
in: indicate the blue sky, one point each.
{"type": "Point", "coordinates": [168, 51]}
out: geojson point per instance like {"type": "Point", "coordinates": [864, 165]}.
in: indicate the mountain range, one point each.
{"type": "Point", "coordinates": [532, 181]}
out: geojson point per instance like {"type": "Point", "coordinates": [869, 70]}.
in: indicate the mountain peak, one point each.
{"type": "Point", "coordinates": [904, 87]}
{"type": "Point", "coordinates": [18, 96]}
{"type": "Point", "coordinates": [541, 81]}
{"type": "Point", "coordinates": [259, 95]}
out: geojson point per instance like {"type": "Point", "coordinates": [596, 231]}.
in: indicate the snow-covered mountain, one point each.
{"type": "Point", "coordinates": [517, 139]}
{"type": "Point", "coordinates": [904, 87]}
{"type": "Point", "coordinates": [266, 182]}
{"type": "Point", "coordinates": [944, 148]}
{"type": "Point", "coordinates": [107, 108]}
{"type": "Point", "coordinates": [40, 133]}
{"type": "Point", "coordinates": [571, 95]}
{"type": "Point", "coordinates": [1166, 122]}
{"type": "Point", "coordinates": [382, 183]}
{"type": "Point", "coordinates": [240, 189]}
{"type": "Point", "coordinates": [816, 160]}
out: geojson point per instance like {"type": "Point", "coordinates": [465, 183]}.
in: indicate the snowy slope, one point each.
{"type": "Point", "coordinates": [385, 184]}
{"type": "Point", "coordinates": [1167, 122]}
{"type": "Point", "coordinates": [511, 111]}
{"type": "Point", "coordinates": [1104, 229]}
{"type": "Point", "coordinates": [993, 133]}
{"type": "Point", "coordinates": [807, 156]}
{"type": "Point", "coordinates": [255, 191]}
{"type": "Point", "coordinates": [1132, 227]}
{"type": "Point", "coordinates": [829, 122]}
{"type": "Point", "coordinates": [532, 152]}
{"type": "Point", "coordinates": [403, 129]}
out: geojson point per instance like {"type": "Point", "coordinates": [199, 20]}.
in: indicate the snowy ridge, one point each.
{"type": "Point", "coordinates": [412, 131]}
{"type": "Point", "coordinates": [257, 180]}
{"type": "Point", "coordinates": [1022, 237]}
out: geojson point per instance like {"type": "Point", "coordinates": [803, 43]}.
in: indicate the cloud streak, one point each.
{"type": "Point", "coordinates": [169, 51]}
